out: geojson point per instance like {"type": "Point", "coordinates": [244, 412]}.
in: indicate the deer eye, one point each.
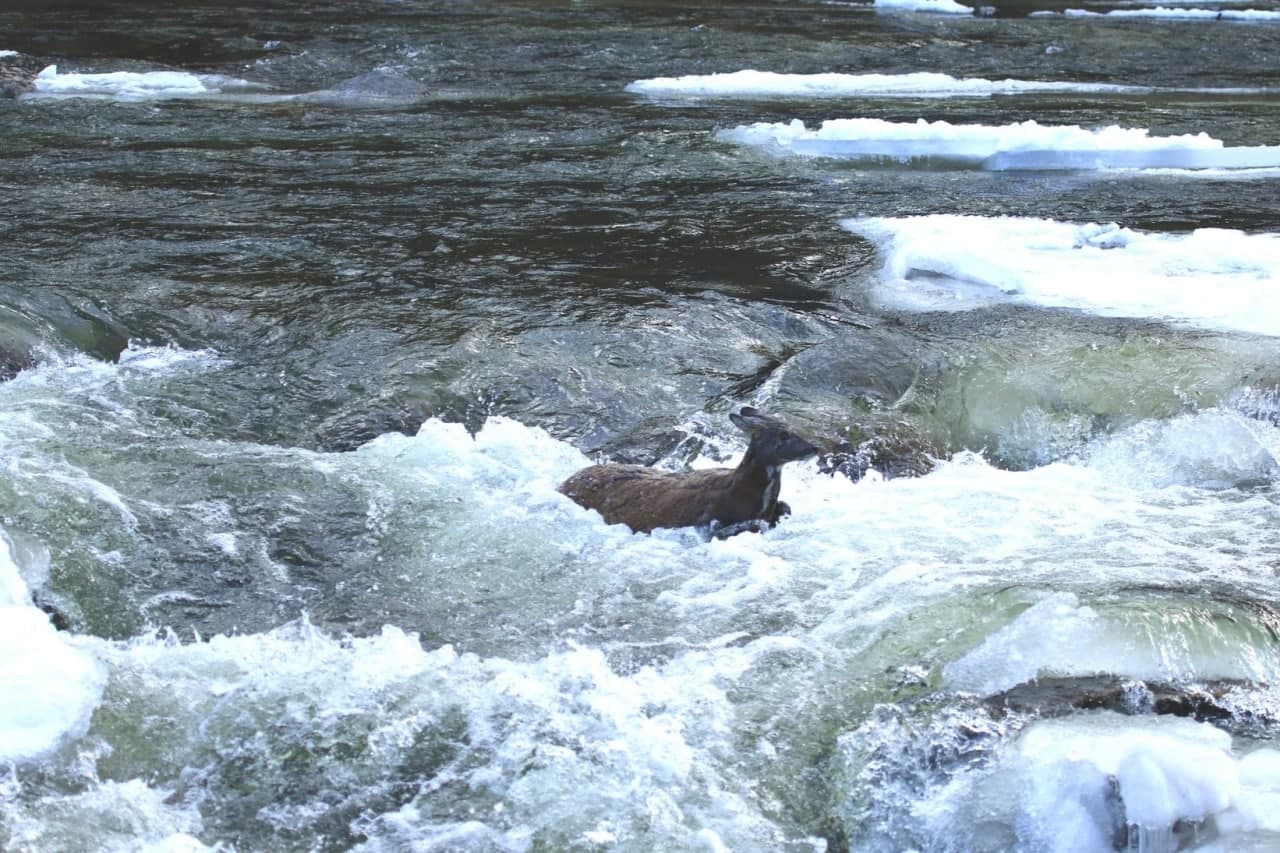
{"type": "Point", "coordinates": [784, 435]}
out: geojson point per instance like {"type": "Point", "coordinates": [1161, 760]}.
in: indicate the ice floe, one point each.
{"type": "Point", "coordinates": [1210, 277]}
{"type": "Point", "coordinates": [1024, 145]}
{"type": "Point", "coordinates": [937, 7]}
{"type": "Point", "coordinates": [134, 85]}
{"type": "Point", "coordinates": [752, 83]}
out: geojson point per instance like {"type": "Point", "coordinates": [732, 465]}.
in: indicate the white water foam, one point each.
{"type": "Point", "coordinates": [560, 744]}
{"type": "Point", "coordinates": [93, 390]}
{"type": "Point", "coordinates": [113, 817]}
{"type": "Point", "coordinates": [751, 83]}
{"type": "Point", "coordinates": [1215, 278]}
{"type": "Point", "coordinates": [59, 684]}
{"type": "Point", "coordinates": [79, 375]}
{"type": "Point", "coordinates": [1026, 145]}
{"type": "Point", "coordinates": [1212, 449]}
{"type": "Point", "coordinates": [521, 737]}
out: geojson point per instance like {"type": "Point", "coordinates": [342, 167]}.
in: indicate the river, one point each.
{"type": "Point", "coordinates": [306, 308]}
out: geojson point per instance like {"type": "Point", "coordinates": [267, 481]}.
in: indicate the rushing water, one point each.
{"type": "Point", "coordinates": [307, 307]}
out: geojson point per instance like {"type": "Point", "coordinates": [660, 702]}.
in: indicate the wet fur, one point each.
{"type": "Point", "coordinates": [727, 499]}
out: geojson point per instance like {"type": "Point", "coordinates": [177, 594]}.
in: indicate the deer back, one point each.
{"type": "Point", "coordinates": [645, 499]}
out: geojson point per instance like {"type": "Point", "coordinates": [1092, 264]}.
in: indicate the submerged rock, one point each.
{"type": "Point", "coordinates": [376, 89]}
{"type": "Point", "coordinates": [866, 380]}
{"type": "Point", "coordinates": [33, 322]}
{"type": "Point", "coordinates": [59, 618]}
{"type": "Point", "coordinates": [1002, 383]}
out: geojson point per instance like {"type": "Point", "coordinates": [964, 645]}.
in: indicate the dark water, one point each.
{"type": "Point", "coordinates": [526, 240]}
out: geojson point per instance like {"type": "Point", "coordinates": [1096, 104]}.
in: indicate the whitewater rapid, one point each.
{"type": "Point", "coordinates": [303, 579]}
{"type": "Point", "coordinates": [716, 633]}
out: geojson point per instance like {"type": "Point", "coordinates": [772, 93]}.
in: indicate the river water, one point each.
{"type": "Point", "coordinates": [307, 307]}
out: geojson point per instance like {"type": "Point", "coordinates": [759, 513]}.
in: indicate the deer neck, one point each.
{"type": "Point", "coordinates": [754, 477]}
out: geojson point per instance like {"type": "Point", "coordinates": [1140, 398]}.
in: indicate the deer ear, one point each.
{"type": "Point", "coordinates": [749, 412]}
{"type": "Point", "coordinates": [740, 422]}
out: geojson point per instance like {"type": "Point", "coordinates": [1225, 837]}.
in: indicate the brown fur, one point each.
{"type": "Point", "coordinates": [645, 499]}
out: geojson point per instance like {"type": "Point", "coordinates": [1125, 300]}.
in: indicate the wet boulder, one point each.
{"type": "Point", "coordinates": [13, 360]}
{"type": "Point", "coordinates": [890, 454]}
{"type": "Point", "coordinates": [1227, 704]}
{"type": "Point", "coordinates": [32, 319]}
{"type": "Point", "coordinates": [18, 72]}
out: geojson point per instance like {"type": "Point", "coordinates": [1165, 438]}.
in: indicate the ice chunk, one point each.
{"type": "Point", "coordinates": [133, 85]}
{"type": "Point", "coordinates": [751, 83]}
{"type": "Point", "coordinates": [1025, 145]}
{"type": "Point", "coordinates": [939, 7]}
{"type": "Point", "coordinates": [1210, 277]}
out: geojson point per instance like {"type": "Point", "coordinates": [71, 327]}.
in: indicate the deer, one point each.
{"type": "Point", "coordinates": [723, 501]}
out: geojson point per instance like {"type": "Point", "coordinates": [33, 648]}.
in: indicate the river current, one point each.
{"type": "Point", "coordinates": [306, 308]}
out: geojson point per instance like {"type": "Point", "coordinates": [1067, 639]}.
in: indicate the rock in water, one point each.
{"type": "Point", "coordinates": [18, 72]}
